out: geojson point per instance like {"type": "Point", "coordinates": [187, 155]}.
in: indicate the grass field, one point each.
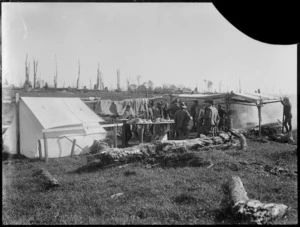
{"type": "Point", "coordinates": [185, 195]}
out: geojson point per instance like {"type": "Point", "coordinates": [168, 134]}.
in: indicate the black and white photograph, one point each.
{"type": "Point", "coordinates": [143, 113]}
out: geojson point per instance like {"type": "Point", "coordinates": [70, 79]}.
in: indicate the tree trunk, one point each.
{"type": "Point", "coordinates": [242, 139]}
{"type": "Point", "coordinates": [238, 193]}
{"type": "Point", "coordinates": [250, 210]}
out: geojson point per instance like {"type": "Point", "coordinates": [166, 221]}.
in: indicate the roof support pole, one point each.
{"type": "Point", "coordinates": [73, 147]}
{"type": "Point", "coordinates": [115, 135]}
{"type": "Point", "coordinates": [18, 123]}
{"type": "Point", "coordinates": [259, 119]}
{"type": "Point", "coordinates": [45, 147]}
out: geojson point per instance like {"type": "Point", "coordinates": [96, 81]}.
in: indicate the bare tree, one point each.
{"type": "Point", "coordinates": [127, 82]}
{"type": "Point", "coordinates": [209, 85]}
{"type": "Point", "coordinates": [150, 85]}
{"type": "Point", "coordinates": [98, 77]}
{"type": "Point", "coordinates": [138, 78]}
{"type": "Point", "coordinates": [55, 74]}
{"type": "Point", "coordinates": [27, 83]}
{"type": "Point", "coordinates": [77, 86]}
{"type": "Point", "coordinates": [118, 80]}
{"type": "Point", "coordinates": [35, 65]}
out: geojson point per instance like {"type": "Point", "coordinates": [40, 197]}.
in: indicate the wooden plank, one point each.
{"type": "Point", "coordinates": [45, 147]}
{"type": "Point", "coordinates": [73, 147]}
{"type": "Point", "coordinates": [94, 101]}
{"type": "Point", "coordinates": [112, 125]}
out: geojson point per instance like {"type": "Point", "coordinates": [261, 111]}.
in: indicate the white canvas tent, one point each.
{"type": "Point", "coordinates": [60, 121]}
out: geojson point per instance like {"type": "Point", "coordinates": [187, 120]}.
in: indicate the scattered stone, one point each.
{"type": "Point", "coordinates": [46, 178]}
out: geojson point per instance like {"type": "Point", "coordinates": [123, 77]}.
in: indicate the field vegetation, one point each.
{"type": "Point", "coordinates": [140, 194]}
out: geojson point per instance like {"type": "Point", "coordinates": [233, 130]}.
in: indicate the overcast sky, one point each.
{"type": "Point", "coordinates": [168, 43]}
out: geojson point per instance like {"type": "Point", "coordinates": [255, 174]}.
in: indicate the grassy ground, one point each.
{"type": "Point", "coordinates": [150, 195]}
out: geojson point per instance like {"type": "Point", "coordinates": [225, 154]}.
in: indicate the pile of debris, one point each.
{"type": "Point", "coordinates": [270, 131]}
{"type": "Point", "coordinates": [166, 153]}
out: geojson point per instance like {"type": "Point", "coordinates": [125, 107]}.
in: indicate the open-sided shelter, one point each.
{"type": "Point", "coordinates": [248, 99]}
{"type": "Point", "coordinates": [52, 127]}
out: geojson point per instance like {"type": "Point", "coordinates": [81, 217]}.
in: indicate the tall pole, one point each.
{"type": "Point", "coordinates": [78, 73]}
{"type": "Point", "coordinates": [55, 76]}
{"type": "Point", "coordinates": [259, 119]}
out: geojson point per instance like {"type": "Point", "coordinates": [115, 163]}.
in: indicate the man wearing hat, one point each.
{"type": "Point", "coordinates": [287, 114]}
{"type": "Point", "coordinates": [173, 108]}
{"type": "Point", "coordinates": [222, 114]}
{"type": "Point", "coordinates": [211, 118]}
{"type": "Point", "coordinates": [200, 120]}
{"type": "Point", "coordinates": [171, 112]}
{"type": "Point", "coordinates": [195, 108]}
{"type": "Point", "coordinates": [127, 115]}
{"type": "Point", "coordinates": [182, 118]}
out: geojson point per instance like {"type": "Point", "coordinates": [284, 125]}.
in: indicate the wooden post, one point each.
{"type": "Point", "coordinates": [142, 133]}
{"type": "Point", "coordinates": [123, 134]}
{"type": "Point", "coordinates": [259, 119]}
{"type": "Point", "coordinates": [115, 136]}
{"type": "Point", "coordinates": [45, 147]}
{"type": "Point", "coordinates": [18, 123]}
{"type": "Point", "coordinates": [40, 149]}
{"type": "Point", "coordinates": [282, 120]}
{"type": "Point", "coordinates": [73, 147]}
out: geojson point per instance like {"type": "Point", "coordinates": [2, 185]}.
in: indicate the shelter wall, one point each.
{"type": "Point", "coordinates": [61, 146]}
{"type": "Point", "coordinates": [30, 131]}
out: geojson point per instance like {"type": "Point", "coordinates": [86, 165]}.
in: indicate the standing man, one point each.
{"type": "Point", "coordinates": [164, 110]}
{"type": "Point", "coordinates": [200, 120]}
{"type": "Point", "coordinates": [223, 115]}
{"type": "Point", "coordinates": [173, 108]}
{"type": "Point", "coordinates": [127, 115]}
{"type": "Point", "coordinates": [211, 118]}
{"type": "Point", "coordinates": [194, 112]}
{"type": "Point", "coordinates": [171, 111]}
{"type": "Point", "coordinates": [287, 114]}
{"type": "Point", "coordinates": [182, 118]}
{"type": "Point", "coordinates": [156, 111]}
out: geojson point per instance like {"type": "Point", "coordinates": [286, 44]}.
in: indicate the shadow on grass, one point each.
{"type": "Point", "coordinates": [191, 159]}
{"type": "Point", "coordinates": [184, 199]}
{"type": "Point", "coordinates": [224, 215]}
{"type": "Point", "coordinates": [16, 158]}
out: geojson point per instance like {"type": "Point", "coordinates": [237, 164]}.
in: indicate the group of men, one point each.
{"type": "Point", "coordinates": [155, 111]}
{"type": "Point", "coordinates": [206, 118]}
